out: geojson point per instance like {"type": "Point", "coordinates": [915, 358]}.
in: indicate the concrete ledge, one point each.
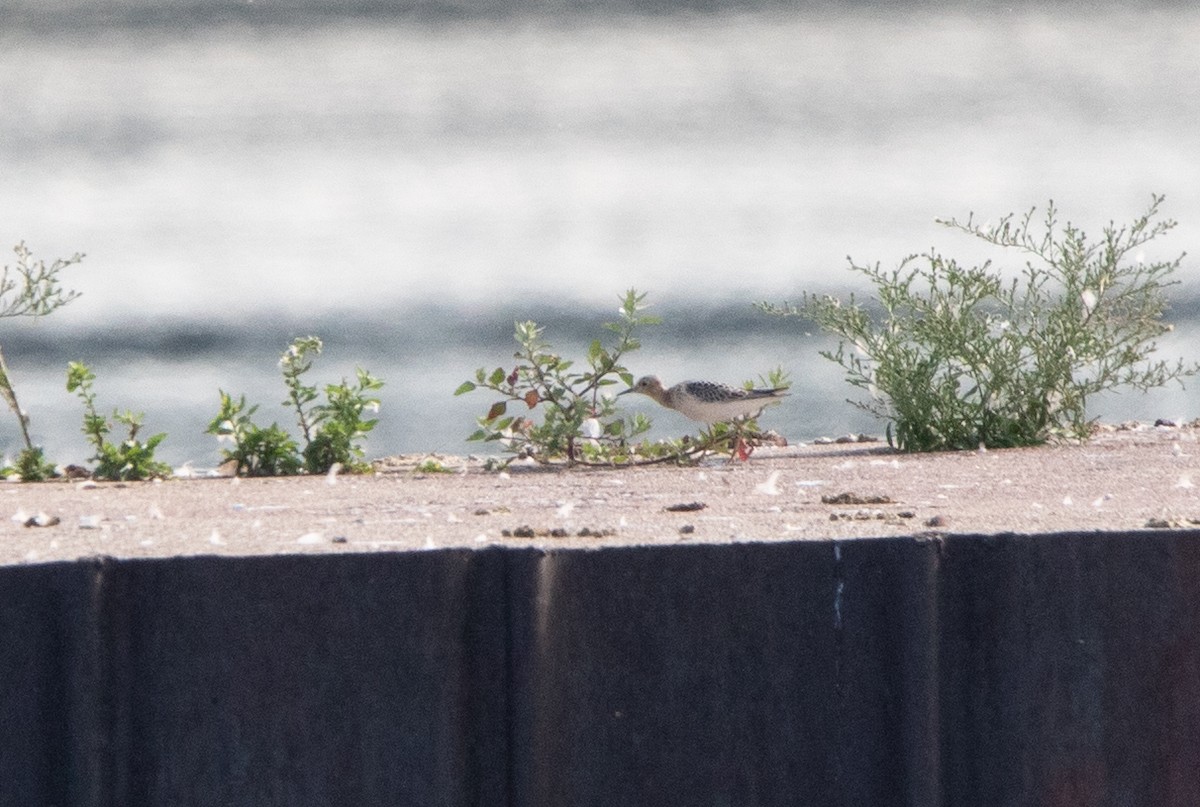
{"type": "Point", "coordinates": [1003, 670]}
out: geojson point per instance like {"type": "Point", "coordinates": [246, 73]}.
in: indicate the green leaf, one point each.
{"type": "Point", "coordinates": [466, 386]}
{"type": "Point", "coordinates": [548, 382]}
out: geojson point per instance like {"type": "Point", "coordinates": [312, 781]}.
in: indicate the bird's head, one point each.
{"type": "Point", "coordinates": [647, 385]}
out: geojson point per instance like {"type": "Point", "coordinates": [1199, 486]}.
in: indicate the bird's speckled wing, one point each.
{"type": "Point", "coordinates": [712, 392]}
{"type": "Point", "coordinates": [710, 402]}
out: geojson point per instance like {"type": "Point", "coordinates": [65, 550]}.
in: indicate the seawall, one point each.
{"type": "Point", "coordinates": [1052, 669]}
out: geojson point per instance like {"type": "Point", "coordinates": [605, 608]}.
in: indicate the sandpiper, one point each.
{"type": "Point", "coordinates": [708, 401]}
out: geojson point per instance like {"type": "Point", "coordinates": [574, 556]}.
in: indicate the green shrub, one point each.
{"type": "Point", "coordinates": [331, 431]}
{"type": "Point", "coordinates": [30, 289]}
{"type": "Point", "coordinates": [579, 424]}
{"type": "Point", "coordinates": [129, 459]}
{"type": "Point", "coordinates": [32, 466]}
{"type": "Point", "coordinates": [339, 424]}
{"type": "Point", "coordinates": [257, 451]}
{"type": "Point", "coordinates": [956, 357]}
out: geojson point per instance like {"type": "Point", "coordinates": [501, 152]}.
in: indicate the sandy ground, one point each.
{"type": "Point", "coordinates": [1123, 479]}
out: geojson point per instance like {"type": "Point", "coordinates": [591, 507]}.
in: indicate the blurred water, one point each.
{"type": "Point", "coordinates": [407, 187]}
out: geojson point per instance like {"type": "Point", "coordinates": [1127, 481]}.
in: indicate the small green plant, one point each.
{"type": "Point", "coordinates": [294, 363]}
{"type": "Point", "coordinates": [579, 423]}
{"type": "Point", "coordinates": [340, 424]}
{"type": "Point", "coordinates": [30, 289]}
{"type": "Point", "coordinates": [429, 465]}
{"type": "Point", "coordinates": [258, 451]}
{"type": "Point", "coordinates": [129, 459]}
{"type": "Point", "coordinates": [31, 465]}
{"type": "Point", "coordinates": [331, 431]}
{"type": "Point", "coordinates": [956, 357]}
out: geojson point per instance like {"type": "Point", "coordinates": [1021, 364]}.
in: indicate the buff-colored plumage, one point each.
{"type": "Point", "coordinates": [707, 401]}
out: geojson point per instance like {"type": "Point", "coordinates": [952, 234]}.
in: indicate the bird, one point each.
{"type": "Point", "coordinates": [708, 401]}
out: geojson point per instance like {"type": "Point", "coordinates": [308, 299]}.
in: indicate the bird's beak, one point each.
{"type": "Point", "coordinates": [622, 392]}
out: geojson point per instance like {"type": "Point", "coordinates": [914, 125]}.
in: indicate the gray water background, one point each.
{"type": "Point", "coordinates": [405, 182]}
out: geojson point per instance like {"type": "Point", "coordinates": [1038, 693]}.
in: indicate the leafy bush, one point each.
{"type": "Point", "coordinates": [339, 424]}
{"type": "Point", "coordinates": [257, 451]}
{"type": "Point", "coordinates": [32, 466]}
{"type": "Point", "coordinates": [294, 363]}
{"type": "Point", "coordinates": [579, 424]}
{"type": "Point", "coordinates": [30, 289]}
{"type": "Point", "coordinates": [960, 357]}
{"type": "Point", "coordinates": [130, 459]}
{"type": "Point", "coordinates": [331, 431]}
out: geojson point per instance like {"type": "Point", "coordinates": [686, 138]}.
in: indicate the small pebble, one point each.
{"type": "Point", "coordinates": [42, 520]}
